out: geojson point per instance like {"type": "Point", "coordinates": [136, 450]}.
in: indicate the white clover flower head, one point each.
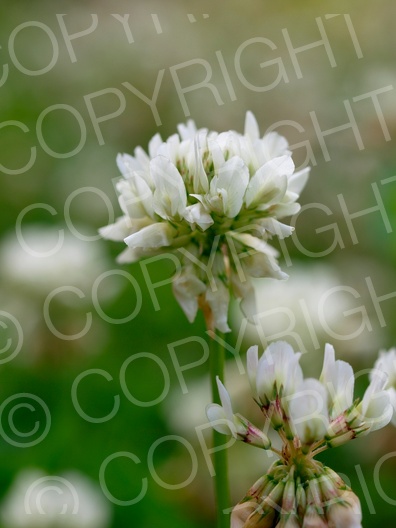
{"type": "Point", "coordinates": [309, 416]}
{"type": "Point", "coordinates": [214, 200]}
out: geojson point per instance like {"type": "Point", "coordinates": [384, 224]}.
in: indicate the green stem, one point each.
{"type": "Point", "coordinates": [217, 359]}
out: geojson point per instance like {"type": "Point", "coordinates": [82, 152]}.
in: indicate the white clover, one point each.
{"type": "Point", "coordinates": [309, 416]}
{"type": "Point", "coordinates": [208, 196]}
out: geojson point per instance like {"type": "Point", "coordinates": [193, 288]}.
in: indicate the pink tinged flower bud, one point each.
{"type": "Point", "coordinates": [266, 512]}
{"type": "Point", "coordinates": [335, 477]}
{"type": "Point", "coordinates": [288, 521]}
{"type": "Point", "coordinates": [241, 512]}
{"type": "Point", "coordinates": [301, 500]}
{"type": "Point", "coordinates": [338, 426]}
{"type": "Point", "coordinates": [329, 489]}
{"type": "Point", "coordinates": [275, 412]}
{"type": "Point", "coordinates": [225, 421]}
{"type": "Point", "coordinates": [258, 487]}
{"type": "Point", "coordinates": [289, 495]}
{"type": "Point", "coordinates": [312, 519]}
{"type": "Point", "coordinates": [346, 512]}
{"type": "Point", "coordinates": [249, 433]}
{"type": "Point", "coordinates": [314, 495]}
{"type": "Point", "coordinates": [342, 439]}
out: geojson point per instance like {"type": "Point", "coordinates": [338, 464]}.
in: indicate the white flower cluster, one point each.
{"type": "Point", "coordinates": [310, 416]}
{"type": "Point", "coordinates": [214, 200]}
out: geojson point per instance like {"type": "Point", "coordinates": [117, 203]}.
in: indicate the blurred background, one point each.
{"type": "Point", "coordinates": [89, 389]}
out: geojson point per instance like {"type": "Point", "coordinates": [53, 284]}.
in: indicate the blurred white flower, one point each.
{"type": "Point", "coordinates": [214, 200]}
{"type": "Point", "coordinates": [42, 258]}
{"type": "Point", "coordinates": [314, 305]}
{"type": "Point", "coordinates": [71, 500]}
{"type": "Point", "coordinates": [47, 283]}
{"type": "Point", "coordinates": [309, 416]}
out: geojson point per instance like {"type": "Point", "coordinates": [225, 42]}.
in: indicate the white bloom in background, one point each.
{"type": "Point", "coordinates": [46, 270]}
{"type": "Point", "coordinates": [387, 363]}
{"type": "Point", "coordinates": [214, 200]}
{"type": "Point", "coordinates": [314, 305]}
{"type": "Point", "coordinates": [71, 500]}
{"type": "Point", "coordinates": [309, 416]}
{"type": "Point", "coordinates": [45, 258]}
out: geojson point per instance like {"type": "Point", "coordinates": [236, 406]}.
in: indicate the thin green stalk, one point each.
{"type": "Point", "coordinates": [222, 494]}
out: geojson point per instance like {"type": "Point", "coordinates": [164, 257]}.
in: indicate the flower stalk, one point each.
{"type": "Point", "coordinates": [222, 494]}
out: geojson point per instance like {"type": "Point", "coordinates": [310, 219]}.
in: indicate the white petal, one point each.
{"type": "Point", "coordinates": [269, 183]}
{"type": "Point", "coordinates": [197, 214]}
{"type": "Point", "coordinates": [276, 228]}
{"type": "Point", "coordinates": [154, 145]}
{"type": "Point", "coordinates": [188, 130]}
{"type": "Point", "coordinates": [127, 164]}
{"type": "Point", "coordinates": [278, 368]}
{"type": "Point", "coordinates": [328, 363]}
{"type": "Point", "coordinates": [145, 194]}
{"type": "Point", "coordinates": [376, 408]}
{"type": "Point", "coordinates": [379, 411]}
{"type": "Point", "coordinates": [156, 235]}
{"type": "Point", "coordinates": [283, 209]}
{"type": "Point", "coordinates": [143, 159]}
{"type": "Point", "coordinates": [252, 130]}
{"type": "Point", "coordinates": [195, 164]}
{"type": "Point", "coordinates": [216, 153]}
{"type": "Point", "coordinates": [233, 178]}
{"type": "Point", "coordinates": [308, 411]}
{"type": "Point", "coordinates": [338, 378]}
{"type": "Point", "coordinates": [263, 265]}
{"type": "Point", "coordinates": [130, 255]}
{"type": "Point", "coordinates": [170, 197]}
{"type": "Point", "coordinates": [274, 145]}
{"type": "Point", "coordinates": [129, 199]}
{"type": "Point", "coordinates": [298, 180]}
{"type": "Point", "coordinates": [117, 231]}
{"type": "Point", "coordinates": [215, 413]}
{"type": "Point", "coordinates": [186, 288]}
{"type": "Point", "coordinates": [225, 399]}
{"type": "Point", "coordinates": [253, 242]}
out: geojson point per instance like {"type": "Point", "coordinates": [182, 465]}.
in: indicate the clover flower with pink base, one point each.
{"type": "Point", "coordinates": [309, 416]}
